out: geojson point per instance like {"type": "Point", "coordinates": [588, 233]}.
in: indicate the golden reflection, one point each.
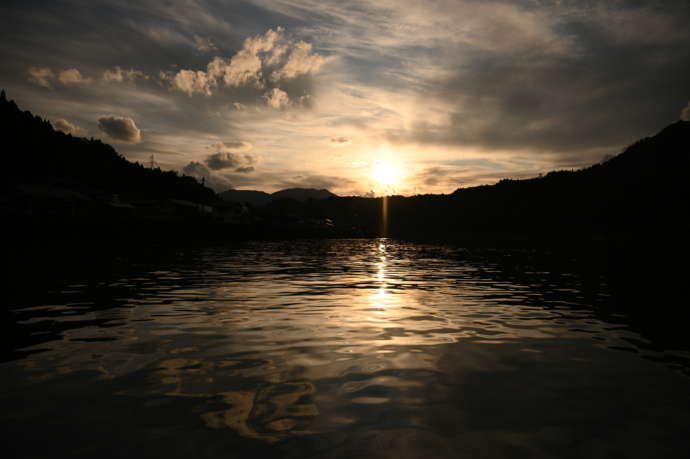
{"type": "Point", "coordinates": [269, 414]}
{"type": "Point", "coordinates": [384, 216]}
{"type": "Point", "coordinates": [381, 297]}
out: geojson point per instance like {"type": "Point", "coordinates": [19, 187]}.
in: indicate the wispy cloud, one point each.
{"type": "Point", "coordinates": [41, 76]}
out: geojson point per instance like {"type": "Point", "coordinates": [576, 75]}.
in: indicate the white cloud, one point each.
{"type": "Point", "coordinates": [270, 52]}
{"type": "Point", "coordinates": [72, 76]}
{"type": "Point", "coordinates": [42, 76]}
{"type": "Point", "coordinates": [277, 98]}
{"type": "Point", "coordinates": [301, 61]}
{"type": "Point", "coordinates": [190, 82]}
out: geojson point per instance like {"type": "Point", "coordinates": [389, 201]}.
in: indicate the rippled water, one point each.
{"type": "Point", "coordinates": [351, 348]}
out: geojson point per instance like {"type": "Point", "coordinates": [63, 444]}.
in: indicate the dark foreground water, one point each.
{"type": "Point", "coordinates": [352, 348]}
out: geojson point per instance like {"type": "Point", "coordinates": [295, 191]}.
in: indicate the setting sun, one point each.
{"type": "Point", "coordinates": [385, 173]}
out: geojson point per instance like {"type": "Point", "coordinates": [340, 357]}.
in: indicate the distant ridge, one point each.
{"type": "Point", "coordinates": [643, 194]}
{"type": "Point", "coordinates": [302, 194]}
{"type": "Point", "coordinates": [254, 197]}
{"type": "Point", "coordinates": [260, 198]}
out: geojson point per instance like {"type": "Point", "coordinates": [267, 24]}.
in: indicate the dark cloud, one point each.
{"type": "Point", "coordinates": [455, 177]}
{"type": "Point", "coordinates": [272, 181]}
{"type": "Point", "coordinates": [226, 158]}
{"type": "Point", "coordinates": [341, 141]}
{"type": "Point", "coordinates": [315, 181]}
{"type": "Point", "coordinates": [220, 161]}
{"type": "Point", "coordinates": [599, 94]}
{"type": "Point", "coordinates": [236, 145]}
{"type": "Point", "coordinates": [120, 128]}
{"type": "Point", "coordinates": [203, 175]}
{"type": "Point", "coordinates": [433, 176]}
{"type": "Point", "coordinates": [237, 161]}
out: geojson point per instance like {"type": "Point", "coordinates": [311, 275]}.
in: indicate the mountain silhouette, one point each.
{"type": "Point", "coordinates": [642, 192]}
{"type": "Point", "coordinates": [640, 195]}
{"type": "Point", "coordinates": [254, 197]}
{"type": "Point", "coordinates": [43, 160]}
{"type": "Point", "coordinates": [302, 194]}
{"type": "Point", "coordinates": [260, 198]}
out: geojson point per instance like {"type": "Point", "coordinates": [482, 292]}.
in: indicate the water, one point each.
{"type": "Point", "coordinates": [350, 348]}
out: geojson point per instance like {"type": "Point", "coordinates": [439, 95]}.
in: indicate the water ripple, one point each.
{"type": "Point", "coordinates": [322, 341]}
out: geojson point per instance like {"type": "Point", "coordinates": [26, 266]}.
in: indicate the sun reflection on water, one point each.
{"type": "Point", "coordinates": [286, 341]}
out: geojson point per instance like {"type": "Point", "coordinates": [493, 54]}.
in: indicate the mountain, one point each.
{"type": "Point", "coordinates": [302, 194]}
{"type": "Point", "coordinates": [256, 198]}
{"type": "Point", "coordinates": [42, 163]}
{"type": "Point", "coordinates": [260, 198]}
{"type": "Point", "coordinates": [643, 193]}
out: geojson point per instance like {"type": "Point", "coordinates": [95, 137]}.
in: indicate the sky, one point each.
{"type": "Point", "coordinates": [359, 97]}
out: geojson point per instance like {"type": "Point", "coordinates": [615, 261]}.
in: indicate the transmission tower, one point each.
{"type": "Point", "coordinates": [152, 164]}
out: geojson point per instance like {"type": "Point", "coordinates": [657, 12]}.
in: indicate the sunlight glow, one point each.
{"type": "Point", "coordinates": [385, 173]}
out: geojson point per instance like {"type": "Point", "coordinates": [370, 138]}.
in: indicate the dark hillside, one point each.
{"type": "Point", "coordinates": [36, 155]}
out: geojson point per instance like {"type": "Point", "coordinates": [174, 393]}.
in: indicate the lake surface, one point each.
{"type": "Point", "coordinates": [343, 348]}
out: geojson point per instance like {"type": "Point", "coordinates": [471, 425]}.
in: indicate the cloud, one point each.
{"type": "Point", "coordinates": [68, 128]}
{"type": "Point", "coordinates": [315, 181]}
{"type": "Point", "coordinates": [232, 145]}
{"type": "Point", "coordinates": [433, 176]}
{"type": "Point", "coordinates": [228, 157]}
{"type": "Point", "coordinates": [685, 113]}
{"type": "Point", "coordinates": [219, 161]}
{"type": "Point", "coordinates": [42, 76]}
{"type": "Point", "coordinates": [271, 52]}
{"type": "Point", "coordinates": [565, 104]}
{"type": "Point", "coordinates": [191, 82]}
{"type": "Point", "coordinates": [449, 178]}
{"type": "Point", "coordinates": [277, 98]}
{"type": "Point", "coordinates": [341, 141]}
{"type": "Point", "coordinates": [119, 75]}
{"type": "Point", "coordinates": [546, 82]}
{"type": "Point", "coordinates": [120, 128]}
{"type": "Point", "coordinates": [205, 176]}
{"type": "Point", "coordinates": [72, 76]}
{"type": "Point", "coordinates": [301, 61]}
{"type": "Point", "coordinates": [203, 44]}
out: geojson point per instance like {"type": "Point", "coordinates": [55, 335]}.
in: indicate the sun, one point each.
{"type": "Point", "coordinates": [385, 173]}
